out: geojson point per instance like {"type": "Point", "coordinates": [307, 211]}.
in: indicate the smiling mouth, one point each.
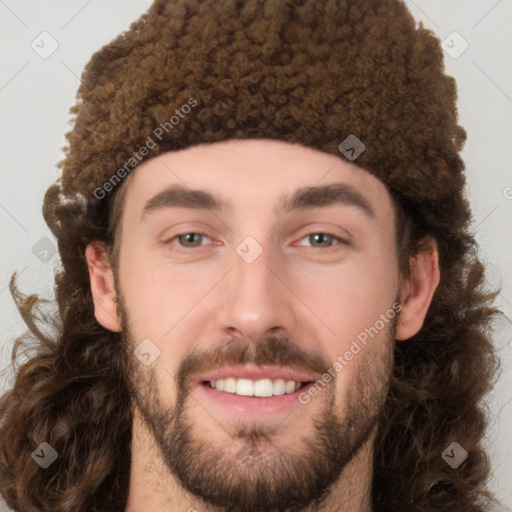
{"type": "Point", "coordinates": [261, 388]}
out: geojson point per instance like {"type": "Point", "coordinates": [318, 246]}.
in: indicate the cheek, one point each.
{"type": "Point", "coordinates": [163, 301]}
{"type": "Point", "coordinates": [350, 297]}
{"type": "Point", "coordinates": [153, 314]}
{"type": "Point", "coordinates": [151, 291]}
{"type": "Point", "coordinates": [354, 311]}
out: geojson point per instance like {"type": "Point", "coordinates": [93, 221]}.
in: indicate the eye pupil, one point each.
{"type": "Point", "coordinates": [187, 237]}
{"type": "Point", "coordinates": [323, 237]}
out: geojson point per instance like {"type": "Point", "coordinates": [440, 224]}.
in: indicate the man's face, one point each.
{"type": "Point", "coordinates": [273, 337]}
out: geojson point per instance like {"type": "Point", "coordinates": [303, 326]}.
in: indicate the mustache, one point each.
{"type": "Point", "coordinates": [271, 351]}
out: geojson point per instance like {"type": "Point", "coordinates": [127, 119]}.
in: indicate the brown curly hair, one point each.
{"type": "Point", "coordinates": [305, 72]}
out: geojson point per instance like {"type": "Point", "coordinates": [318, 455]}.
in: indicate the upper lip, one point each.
{"type": "Point", "coordinates": [253, 372]}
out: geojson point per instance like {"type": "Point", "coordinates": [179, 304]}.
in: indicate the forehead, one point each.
{"type": "Point", "coordinates": [253, 173]}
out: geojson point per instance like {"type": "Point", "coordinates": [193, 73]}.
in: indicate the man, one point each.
{"type": "Point", "coordinates": [269, 296]}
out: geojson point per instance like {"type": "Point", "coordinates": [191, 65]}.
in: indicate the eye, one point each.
{"type": "Point", "coordinates": [323, 239]}
{"type": "Point", "coordinates": [319, 240]}
{"type": "Point", "coordinates": [188, 240]}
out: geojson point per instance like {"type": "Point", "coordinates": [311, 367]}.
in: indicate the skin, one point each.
{"type": "Point", "coordinates": [317, 295]}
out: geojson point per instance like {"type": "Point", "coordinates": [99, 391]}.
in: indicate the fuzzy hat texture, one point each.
{"type": "Point", "coordinates": [303, 71]}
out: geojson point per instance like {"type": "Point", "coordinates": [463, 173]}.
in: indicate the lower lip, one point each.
{"type": "Point", "coordinates": [253, 407]}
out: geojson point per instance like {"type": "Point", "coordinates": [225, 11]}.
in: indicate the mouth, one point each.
{"type": "Point", "coordinates": [262, 388]}
{"type": "Point", "coordinates": [254, 392]}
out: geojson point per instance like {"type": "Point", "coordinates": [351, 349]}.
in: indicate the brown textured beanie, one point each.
{"type": "Point", "coordinates": [303, 71]}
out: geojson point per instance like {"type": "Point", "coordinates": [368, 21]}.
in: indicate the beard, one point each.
{"type": "Point", "coordinates": [259, 475]}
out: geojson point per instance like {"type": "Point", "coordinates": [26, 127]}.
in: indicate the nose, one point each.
{"type": "Point", "coordinates": [257, 298]}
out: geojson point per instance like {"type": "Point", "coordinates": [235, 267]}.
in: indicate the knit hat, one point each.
{"type": "Point", "coordinates": [354, 78]}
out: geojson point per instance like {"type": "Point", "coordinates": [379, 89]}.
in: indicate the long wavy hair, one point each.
{"type": "Point", "coordinates": [70, 390]}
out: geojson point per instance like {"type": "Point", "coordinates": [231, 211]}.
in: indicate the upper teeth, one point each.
{"type": "Point", "coordinates": [262, 387]}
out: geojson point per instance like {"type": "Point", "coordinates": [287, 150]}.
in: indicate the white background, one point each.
{"type": "Point", "coordinates": [36, 94]}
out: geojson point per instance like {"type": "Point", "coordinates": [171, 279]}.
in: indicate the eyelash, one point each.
{"type": "Point", "coordinates": [326, 249]}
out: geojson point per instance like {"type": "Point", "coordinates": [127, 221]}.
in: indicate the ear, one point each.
{"type": "Point", "coordinates": [418, 291]}
{"type": "Point", "coordinates": [103, 291]}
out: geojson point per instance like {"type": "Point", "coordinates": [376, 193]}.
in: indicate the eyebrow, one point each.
{"type": "Point", "coordinates": [178, 196]}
